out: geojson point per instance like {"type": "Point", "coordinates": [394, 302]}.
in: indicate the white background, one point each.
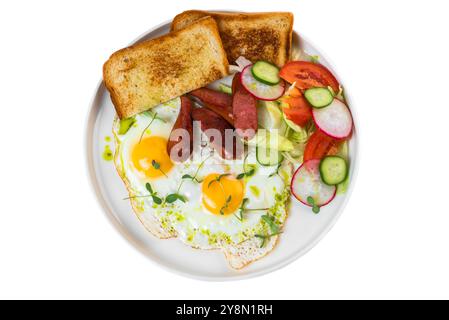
{"type": "Point", "coordinates": [391, 241]}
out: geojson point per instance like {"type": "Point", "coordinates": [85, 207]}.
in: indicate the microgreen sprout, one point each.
{"type": "Point", "coordinates": [246, 172]}
{"type": "Point", "coordinates": [173, 197]}
{"type": "Point", "coordinates": [315, 208]}
{"type": "Point", "coordinates": [274, 228]}
{"type": "Point", "coordinates": [156, 165]}
{"type": "Point", "coordinates": [226, 205]}
{"type": "Point", "coordinates": [218, 178]}
{"type": "Point", "coordinates": [243, 209]}
{"type": "Point", "coordinates": [152, 194]}
{"type": "Point", "coordinates": [194, 177]}
{"type": "Point", "coordinates": [153, 117]}
{"type": "Point", "coordinates": [265, 237]}
{"type": "Point", "coordinates": [276, 172]}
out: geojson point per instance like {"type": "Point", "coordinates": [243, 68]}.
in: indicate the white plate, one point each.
{"type": "Point", "coordinates": [302, 231]}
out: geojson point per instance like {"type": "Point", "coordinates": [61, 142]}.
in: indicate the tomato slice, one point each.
{"type": "Point", "coordinates": [298, 111]}
{"type": "Point", "coordinates": [319, 145]}
{"type": "Point", "coordinates": [294, 92]}
{"type": "Point", "coordinates": [308, 75]}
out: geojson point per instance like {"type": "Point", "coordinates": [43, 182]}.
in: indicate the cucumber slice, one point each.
{"type": "Point", "coordinates": [266, 72]}
{"type": "Point", "coordinates": [259, 90]}
{"type": "Point", "coordinates": [319, 97]}
{"type": "Point", "coordinates": [268, 157]}
{"type": "Point", "coordinates": [333, 170]}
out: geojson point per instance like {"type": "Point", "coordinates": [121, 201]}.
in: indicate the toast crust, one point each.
{"type": "Point", "coordinates": [256, 36]}
{"type": "Point", "coordinates": [152, 72]}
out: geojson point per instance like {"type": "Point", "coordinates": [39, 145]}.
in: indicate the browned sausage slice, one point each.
{"type": "Point", "coordinates": [181, 136]}
{"type": "Point", "coordinates": [226, 113]}
{"type": "Point", "coordinates": [210, 96]}
{"type": "Point", "coordinates": [223, 130]}
{"type": "Point", "coordinates": [218, 102]}
{"type": "Point", "coordinates": [244, 107]}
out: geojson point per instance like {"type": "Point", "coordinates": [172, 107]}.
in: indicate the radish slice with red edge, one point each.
{"type": "Point", "coordinates": [335, 120]}
{"type": "Point", "coordinates": [306, 182]}
{"type": "Point", "coordinates": [260, 90]}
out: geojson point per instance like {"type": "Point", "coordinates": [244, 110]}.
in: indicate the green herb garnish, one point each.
{"type": "Point", "coordinates": [265, 238]}
{"type": "Point", "coordinates": [156, 165]}
{"type": "Point", "coordinates": [246, 173]}
{"type": "Point", "coordinates": [276, 172]}
{"type": "Point", "coordinates": [153, 117]}
{"type": "Point", "coordinates": [173, 197]}
{"type": "Point", "coordinates": [243, 209]}
{"type": "Point", "coordinates": [274, 228]}
{"type": "Point", "coordinates": [315, 208]}
{"type": "Point", "coordinates": [153, 194]}
{"type": "Point", "coordinates": [218, 178]}
{"type": "Point", "coordinates": [226, 205]}
{"type": "Point", "coordinates": [194, 177]}
{"type": "Point", "coordinates": [271, 223]}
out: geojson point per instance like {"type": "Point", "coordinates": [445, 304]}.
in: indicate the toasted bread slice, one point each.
{"type": "Point", "coordinates": [256, 36]}
{"type": "Point", "coordinates": [152, 72]}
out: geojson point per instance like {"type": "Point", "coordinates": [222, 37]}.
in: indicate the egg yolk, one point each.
{"type": "Point", "coordinates": [150, 157]}
{"type": "Point", "coordinates": [222, 195]}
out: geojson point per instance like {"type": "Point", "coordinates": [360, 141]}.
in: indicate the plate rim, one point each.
{"type": "Point", "coordinates": [89, 126]}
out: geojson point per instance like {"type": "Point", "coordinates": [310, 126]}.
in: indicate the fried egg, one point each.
{"type": "Point", "coordinates": [217, 205]}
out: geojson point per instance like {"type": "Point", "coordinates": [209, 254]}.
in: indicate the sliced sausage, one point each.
{"type": "Point", "coordinates": [226, 113]}
{"type": "Point", "coordinates": [182, 139]}
{"type": "Point", "coordinates": [210, 120]}
{"type": "Point", "coordinates": [218, 102]}
{"type": "Point", "coordinates": [244, 110]}
{"type": "Point", "coordinates": [210, 96]}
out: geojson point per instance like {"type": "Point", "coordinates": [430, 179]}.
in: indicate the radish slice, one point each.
{"type": "Point", "coordinates": [335, 120]}
{"type": "Point", "coordinates": [306, 182]}
{"type": "Point", "coordinates": [260, 90]}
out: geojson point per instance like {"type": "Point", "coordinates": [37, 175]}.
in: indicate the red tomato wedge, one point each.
{"type": "Point", "coordinates": [308, 75]}
{"type": "Point", "coordinates": [320, 145]}
{"type": "Point", "coordinates": [299, 110]}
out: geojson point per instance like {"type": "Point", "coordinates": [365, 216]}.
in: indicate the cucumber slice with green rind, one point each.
{"type": "Point", "coordinates": [266, 72]}
{"type": "Point", "coordinates": [319, 97]}
{"type": "Point", "coordinates": [259, 90]}
{"type": "Point", "coordinates": [268, 157]}
{"type": "Point", "coordinates": [333, 170]}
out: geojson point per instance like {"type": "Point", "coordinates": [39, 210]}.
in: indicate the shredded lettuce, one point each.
{"type": "Point", "coordinates": [315, 59]}
{"type": "Point", "coordinates": [343, 186]}
{"type": "Point", "coordinates": [299, 138]}
{"type": "Point", "coordinates": [344, 153]}
{"type": "Point", "coordinates": [225, 88]}
{"type": "Point", "coordinates": [341, 94]}
{"type": "Point", "coordinates": [301, 55]}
